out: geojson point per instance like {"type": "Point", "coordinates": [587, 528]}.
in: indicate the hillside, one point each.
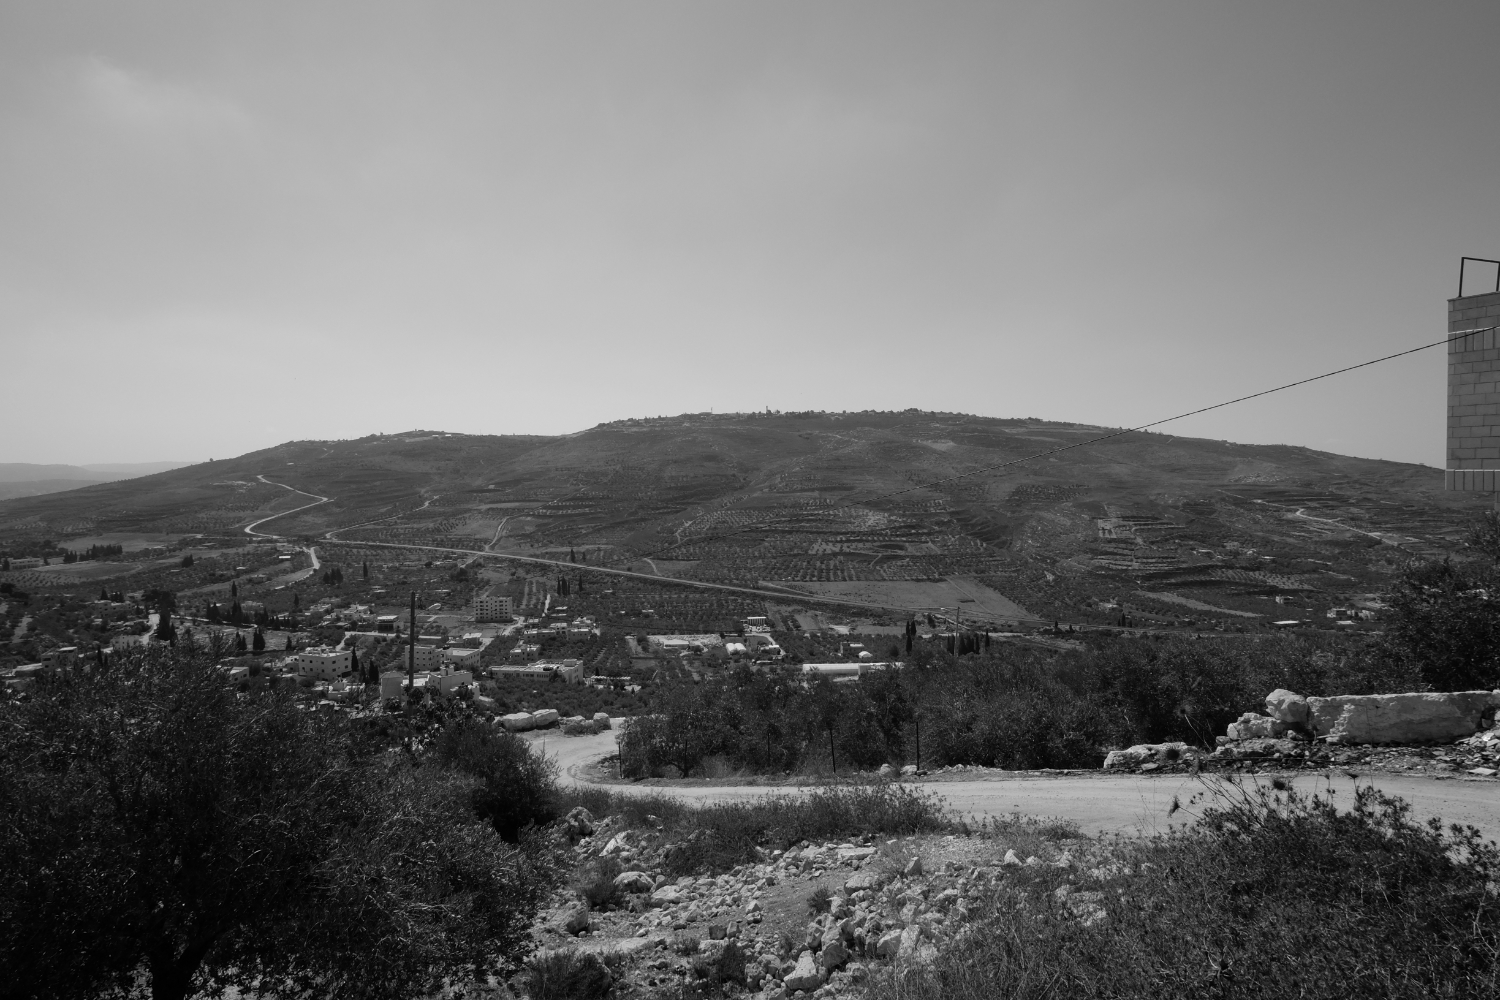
{"type": "Point", "coordinates": [1170, 526]}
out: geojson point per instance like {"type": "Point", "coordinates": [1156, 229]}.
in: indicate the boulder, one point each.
{"type": "Point", "coordinates": [1287, 706]}
{"type": "Point", "coordinates": [909, 769]}
{"type": "Point", "coordinates": [1424, 717]}
{"type": "Point", "coordinates": [517, 722]}
{"type": "Point", "coordinates": [579, 822]}
{"type": "Point", "coordinates": [602, 718]}
{"type": "Point", "coordinates": [887, 771]}
{"type": "Point", "coordinates": [866, 880]}
{"type": "Point", "coordinates": [913, 868]}
{"type": "Point", "coordinates": [1147, 753]}
{"type": "Point", "coordinates": [668, 895]}
{"type": "Point", "coordinates": [633, 882]}
{"type": "Point", "coordinates": [805, 976]}
{"type": "Point", "coordinates": [889, 946]}
{"type": "Point", "coordinates": [834, 956]}
{"type": "Point", "coordinates": [1251, 727]}
{"type": "Point", "coordinates": [856, 854]}
{"type": "Point", "coordinates": [572, 919]}
{"type": "Point", "coordinates": [544, 717]}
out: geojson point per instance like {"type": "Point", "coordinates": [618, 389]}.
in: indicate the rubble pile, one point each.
{"type": "Point", "coordinates": [880, 904]}
{"type": "Point", "coordinates": [1438, 733]}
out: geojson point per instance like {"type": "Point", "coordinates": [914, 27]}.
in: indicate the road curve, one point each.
{"type": "Point", "coordinates": [1099, 803]}
{"type": "Point", "coordinates": [250, 528]}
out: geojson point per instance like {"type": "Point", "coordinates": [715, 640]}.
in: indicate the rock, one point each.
{"type": "Point", "coordinates": [1287, 706]}
{"type": "Point", "coordinates": [805, 976]}
{"type": "Point", "coordinates": [1143, 753]}
{"type": "Point", "coordinates": [887, 771]}
{"type": "Point", "coordinates": [573, 919]}
{"type": "Point", "coordinates": [617, 843]}
{"type": "Point", "coordinates": [1425, 717]}
{"type": "Point", "coordinates": [889, 946]}
{"type": "Point", "coordinates": [579, 822]}
{"type": "Point", "coordinates": [911, 936]}
{"type": "Point", "coordinates": [1251, 726]}
{"type": "Point", "coordinates": [1484, 772]}
{"type": "Point", "coordinates": [717, 932]}
{"type": "Point", "coordinates": [668, 895]}
{"type": "Point", "coordinates": [633, 882]}
{"type": "Point", "coordinates": [517, 722]}
{"type": "Point", "coordinates": [865, 881]}
{"type": "Point", "coordinates": [909, 769]}
{"type": "Point", "coordinates": [856, 854]}
{"type": "Point", "coordinates": [913, 868]}
{"type": "Point", "coordinates": [603, 718]}
{"type": "Point", "coordinates": [1011, 858]}
{"type": "Point", "coordinates": [834, 956]}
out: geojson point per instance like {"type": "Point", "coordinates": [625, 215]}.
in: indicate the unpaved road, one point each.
{"type": "Point", "coordinates": [1098, 803]}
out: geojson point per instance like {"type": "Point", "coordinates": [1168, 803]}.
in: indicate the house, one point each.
{"type": "Point", "coordinates": [522, 652]}
{"type": "Point", "coordinates": [459, 657]}
{"type": "Point", "coordinates": [25, 562]}
{"type": "Point", "coordinates": [570, 671]}
{"type": "Point", "coordinates": [321, 663]}
{"type": "Point", "coordinates": [492, 609]}
{"type": "Point", "coordinates": [120, 643]}
{"type": "Point", "coordinates": [387, 623]}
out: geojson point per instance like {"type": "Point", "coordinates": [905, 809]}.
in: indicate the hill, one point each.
{"type": "Point", "coordinates": [25, 479]}
{"type": "Point", "coordinates": [1156, 526]}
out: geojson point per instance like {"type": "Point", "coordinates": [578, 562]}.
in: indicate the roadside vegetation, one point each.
{"type": "Point", "coordinates": [1269, 894]}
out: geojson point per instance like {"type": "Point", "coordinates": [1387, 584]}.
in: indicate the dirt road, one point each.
{"type": "Point", "coordinates": [1098, 803]}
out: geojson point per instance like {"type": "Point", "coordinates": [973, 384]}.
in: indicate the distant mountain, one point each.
{"type": "Point", "coordinates": [838, 500]}
{"type": "Point", "coordinates": [26, 472]}
{"type": "Point", "coordinates": [25, 479]}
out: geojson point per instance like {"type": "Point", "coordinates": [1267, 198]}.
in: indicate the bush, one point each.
{"type": "Point", "coordinates": [719, 837]}
{"type": "Point", "coordinates": [517, 788]}
{"type": "Point", "coordinates": [1270, 894]}
{"type": "Point", "coordinates": [595, 882]}
{"type": "Point", "coordinates": [567, 975]}
{"type": "Point", "coordinates": [726, 967]}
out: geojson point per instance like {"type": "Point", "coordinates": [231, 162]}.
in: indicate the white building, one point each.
{"type": "Point", "coordinates": [571, 671]}
{"type": "Point", "coordinates": [321, 663]}
{"type": "Point", "coordinates": [459, 657]}
{"type": "Point", "coordinates": [26, 562]}
{"type": "Point", "coordinates": [491, 609]}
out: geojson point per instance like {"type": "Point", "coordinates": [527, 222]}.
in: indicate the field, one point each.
{"type": "Point", "coordinates": [965, 595]}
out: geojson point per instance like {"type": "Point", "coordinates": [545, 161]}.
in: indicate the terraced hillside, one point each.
{"type": "Point", "coordinates": [1149, 526]}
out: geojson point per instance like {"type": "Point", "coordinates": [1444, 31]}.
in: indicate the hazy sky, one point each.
{"type": "Point", "coordinates": [225, 226]}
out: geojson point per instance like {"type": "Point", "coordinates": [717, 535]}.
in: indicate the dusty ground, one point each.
{"type": "Point", "coordinates": [1098, 802]}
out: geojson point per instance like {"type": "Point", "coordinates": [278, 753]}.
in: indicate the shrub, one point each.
{"type": "Point", "coordinates": [517, 788]}
{"type": "Point", "coordinates": [595, 881]}
{"type": "Point", "coordinates": [1270, 894]}
{"type": "Point", "coordinates": [728, 966]}
{"type": "Point", "coordinates": [819, 900]}
{"type": "Point", "coordinates": [567, 975]}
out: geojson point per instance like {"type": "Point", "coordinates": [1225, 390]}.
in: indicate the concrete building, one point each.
{"type": "Point", "coordinates": [462, 658]}
{"type": "Point", "coordinates": [321, 663]}
{"type": "Point", "coordinates": [25, 562]}
{"type": "Point", "coordinates": [1474, 392]}
{"type": "Point", "coordinates": [492, 609]}
{"type": "Point", "coordinates": [571, 671]}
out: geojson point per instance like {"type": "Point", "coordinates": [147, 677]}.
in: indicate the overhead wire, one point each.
{"type": "Point", "coordinates": [762, 525]}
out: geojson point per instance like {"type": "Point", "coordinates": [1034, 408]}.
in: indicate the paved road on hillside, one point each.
{"type": "Point", "coordinates": [1098, 803]}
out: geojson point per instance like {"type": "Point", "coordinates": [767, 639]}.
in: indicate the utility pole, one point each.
{"type": "Point", "coordinates": [411, 649]}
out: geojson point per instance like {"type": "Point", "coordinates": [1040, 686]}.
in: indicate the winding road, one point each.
{"type": "Point", "coordinates": [1100, 803]}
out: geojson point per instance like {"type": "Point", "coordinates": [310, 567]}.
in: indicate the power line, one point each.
{"type": "Point", "coordinates": [1079, 444]}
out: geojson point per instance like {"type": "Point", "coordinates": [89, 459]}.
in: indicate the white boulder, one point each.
{"type": "Point", "coordinates": [1422, 717]}
{"type": "Point", "coordinates": [1287, 706]}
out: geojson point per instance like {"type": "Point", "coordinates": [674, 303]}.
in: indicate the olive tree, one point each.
{"type": "Point", "coordinates": [163, 836]}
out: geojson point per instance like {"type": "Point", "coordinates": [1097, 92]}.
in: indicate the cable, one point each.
{"type": "Point", "coordinates": [1080, 444]}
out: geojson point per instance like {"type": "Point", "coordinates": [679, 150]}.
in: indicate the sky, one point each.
{"type": "Point", "coordinates": [227, 226]}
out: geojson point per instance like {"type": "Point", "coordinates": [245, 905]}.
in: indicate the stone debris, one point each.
{"type": "Point", "coordinates": [902, 907]}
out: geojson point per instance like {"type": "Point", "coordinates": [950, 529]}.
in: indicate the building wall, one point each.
{"type": "Point", "coordinates": [490, 608]}
{"type": "Point", "coordinates": [1474, 395]}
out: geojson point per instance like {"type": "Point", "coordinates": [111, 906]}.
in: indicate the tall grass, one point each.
{"type": "Point", "coordinates": [718, 837]}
